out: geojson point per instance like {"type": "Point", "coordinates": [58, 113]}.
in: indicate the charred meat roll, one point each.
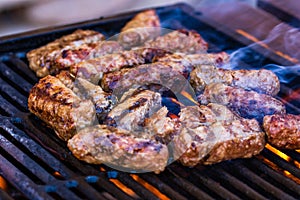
{"type": "Point", "coordinates": [60, 107]}
{"type": "Point", "coordinates": [211, 134]}
{"type": "Point", "coordinates": [144, 26]}
{"type": "Point", "coordinates": [248, 104]}
{"type": "Point", "coordinates": [93, 69]}
{"type": "Point", "coordinates": [41, 59]}
{"type": "Point", "coordinates": [131, 113]}
{"type": "Point", "coordinates": [195, 59]}
{"type": "Point", "coordinates": [283, 131]}
{"type": "Point", "coordinates": [181, 41]}
{"type": "Point", "coordinates": [69, 57]}
{"type": "Point", "coordinates": [262, 81]}
{"type": "Point", "coordinates": [169, 75]}
{"type": "Point", "coordinates": [119, 148]}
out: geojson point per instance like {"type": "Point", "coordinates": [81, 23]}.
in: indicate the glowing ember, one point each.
{"type": "Point", "coordinates": [149, 187]}
{"type": "Point", "coordinates": [123, 187]}
{"type": "Point", "coordinates": [172, 116]}
{"type": "Point", "coordinates": [58, 175]}
{"type": "Point", "coordinates": [189, 97]}
{"type": "Point", "coordinates": [293, 96]}
{"type": "Point", "coordinates": [3, 184]}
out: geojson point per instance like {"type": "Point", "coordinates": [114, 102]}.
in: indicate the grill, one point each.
{"type": "Point", "coordinates": [35, 164]}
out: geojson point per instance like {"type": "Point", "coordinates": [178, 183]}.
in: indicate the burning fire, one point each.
{"type": "Point", "coordinates": [189, 97]}
{"type": "Point", "coordinates": [3, 184]}
{"type": "Point", "coordinates": [257, 41]}
{"type": "Point", "coordinates": [149, 187]}
{"type": "Point", "coordinates": [279, 153]}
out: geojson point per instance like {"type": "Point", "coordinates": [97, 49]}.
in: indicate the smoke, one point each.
{"type": "Point", "coordinates": [286, 74]}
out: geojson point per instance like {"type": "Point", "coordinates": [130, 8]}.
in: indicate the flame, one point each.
{"type": "Point", "coordinates": [123, 187]}
{"type": "Point", "coordinates": [261, 43]}
{"type": "Point", "coordinates": [3, 184]}
{"type": "Point", "coordinates": [149, 187]}
{"type": "Point", "coordinates": [279, 153]}
{"type": "Point", "coordinates": [177, 102]}
{"type": "Point", "coordinates": [57, 175]}
{"type": "Point", "coordinates": [278, 169]}
{"type": "Point", "coordinates": [172, 116]}
{"type": "Point", "coordinates": [189, 97]}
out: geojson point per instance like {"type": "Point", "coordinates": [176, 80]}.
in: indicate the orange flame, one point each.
{"type": "Point", "coordinates": [149, 187]}
{"type": "Point", "coordinates": [123, 187]}
{"type": "Point", "coordinates": [3, 184]}
{"type": "Point", "coordinates": [172, 116]}
{"type": "Point", "coordinates": [189, 97]}
{"type": "Point", "coordinates": [279, 153]}
{"type": "Point", "coordinates": [177, 102]}
{"type": "Point", "coordinates": [261, 43]}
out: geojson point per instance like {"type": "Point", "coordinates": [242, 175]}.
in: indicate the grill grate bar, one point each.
{"type": "Point", "coordinates": [164, 188]}
{"type": "Point", "coordinates": [22, 69]}
{"type": "Point", "coordinates": [259, 181]}
{"type": "Point", "coordinates": [267, 171]}
{"type": "Point", "coordinates": [6, 107]}
{"type": "Point", "coordinates": [236, 183]}
{"type": "Point", "coordinates": [21, 181]}
{"type": "Point", "coordinates": [13, 78]}
{"type": "Point", "coordinates": [281, 163]}
{"type": "Point", "coordinates": [13, 95]}
{"type": "Point", "coordinates": [136, 187]}
{"type": "Point", "coordinates": [181, 179]}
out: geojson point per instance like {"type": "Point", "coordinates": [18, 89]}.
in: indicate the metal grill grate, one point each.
{"type": "Point", "coordinates": [39, 166]}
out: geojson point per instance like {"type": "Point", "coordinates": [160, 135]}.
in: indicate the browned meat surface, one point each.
{"type": "Point", "coordinates": [181, 41]}
{"type": "Point", "coordinates": [262, 81]}
{"type": "Point", "coordinates": [144, 26]}
{"type": "Point", "coordinates": [66, 78]}
{"type": "Point", "coordinates": [69, 57]}
{"type": "Point", "coordinates": [169, 75]}
{"type": "Point", "coordinates": [103, 101]}
{"type": "Point", "coordinates": [41, 59]}
{"type": "Point", "coordinates": [248, 104]}
{"type": "Point", "coordinates": [195, 59]}
{"type": "Point", "coordinates": [93, 69]}
{"type": "Point", "coordinates": [283, 131]}
{"type": "Point", "coordinates": [59, 107]}
{"type": "Point", "coordinates": [211, 134]}
{"type": "Point", "coordinates": [130, 113]}
{"type": "Point", "coordinates": [162, 127]}
{"type": "Point", "coordinates": [118, 148]}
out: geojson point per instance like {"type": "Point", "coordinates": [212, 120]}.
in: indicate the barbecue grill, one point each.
{"type": "Point", "coordinates": [35, 164]}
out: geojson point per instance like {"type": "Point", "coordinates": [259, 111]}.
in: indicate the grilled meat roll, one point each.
{"type": "Point", "coordinates": [103, 101]}
{"type": "Point", "coordinates": [182, 41]}
{"type": "Point", "coordinates": [130, 113]}
{"type": "Point", "coordinates": [69, 57]}
{"type": "Point", "coordinates": [66, 78]}
{"type": "Point", "coordinates": [169, 75]}
{"type": "Point", "coordinates": [283, 131]}
{"type": "Point", "coordinates": [118, 148]}
{"type": "Point", "coordinates": [41, 59]}
{"type": "Point", "coordinates": [162, 127]}
{"type": "Point", "coordinates": [195, 59]}
{"type": "Point", "coordinates": [262, 81]}
{"type": "Point", "coordinates": [60, 107]}
{"type": "Point", "coordinates": [144, 26]}
{"type": "Point", "coordinates": [212, 133]}
{"type": "Point", "coordinates": [248, 104]}
{"type": "Point", "coordinates": [93, 69]}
